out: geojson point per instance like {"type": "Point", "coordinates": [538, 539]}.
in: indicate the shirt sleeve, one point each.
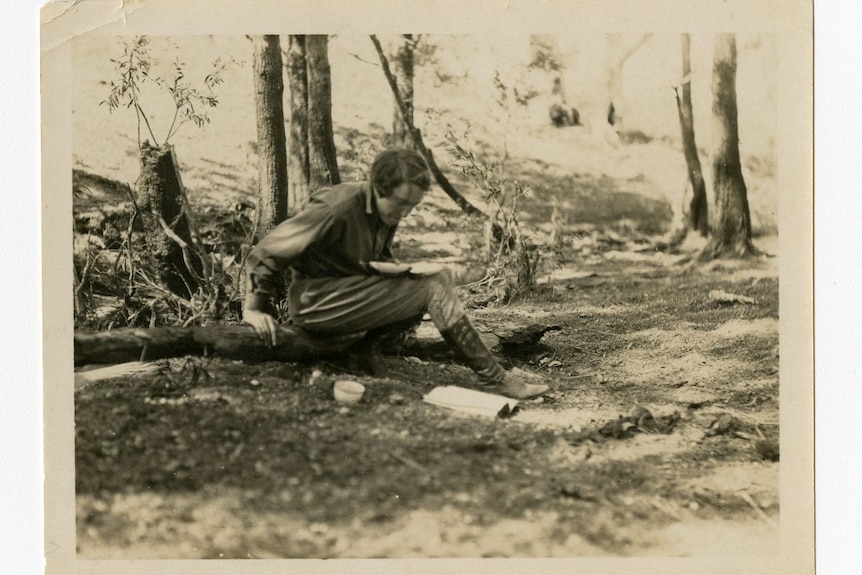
{"type": "Point", "coordinates": [275, 253]}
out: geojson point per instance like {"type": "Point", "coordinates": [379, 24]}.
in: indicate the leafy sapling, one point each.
{"type": "Point", "coordinates": [137, 69]}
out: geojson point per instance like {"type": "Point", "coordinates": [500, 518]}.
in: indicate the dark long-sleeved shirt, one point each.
{"type": "Point", "coordinates": [336, 235]}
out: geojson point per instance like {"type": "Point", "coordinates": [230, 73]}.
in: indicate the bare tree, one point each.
{"type": "Point", "coordinates": [323, 166]}
{"type": "Point", "coordinates": [731, 233]}
{"type": "Point", "coordinates": [271, 145]}
{"type": "Point", "coordinates": [403, 72]}
{"type": "Point", "coordinates": [698, 216]}
{"type": "Point", "coordinates": [297, 162]}
{"type": "Point", "coordinates": [616, 58]}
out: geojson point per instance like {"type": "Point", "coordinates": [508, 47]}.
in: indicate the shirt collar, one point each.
{"type": "Point", "coordinates": [369, 200]}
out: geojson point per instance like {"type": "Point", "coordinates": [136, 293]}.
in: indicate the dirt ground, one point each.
{"type": "Point", "coordinates": [215, 458]}
{"type": "Point", "coordinates": [659, 436]}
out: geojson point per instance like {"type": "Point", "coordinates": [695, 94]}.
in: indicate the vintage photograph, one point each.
{"type": "Point", "coordinates": [410, 295]}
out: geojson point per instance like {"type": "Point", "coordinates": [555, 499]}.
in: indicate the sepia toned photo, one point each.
{"type": "Point", "coordinates": [510, 282]}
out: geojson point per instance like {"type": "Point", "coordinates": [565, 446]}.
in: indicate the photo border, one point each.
{"type": "Point", "coordinates": [790, 21]}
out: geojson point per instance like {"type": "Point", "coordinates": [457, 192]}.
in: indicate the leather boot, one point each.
{"type": "Point", "coordinates": [365, 356]}
{"type": "Point", "coordinates": [394, 336]}
{"type": "Point", "coordinates": [464, 339]}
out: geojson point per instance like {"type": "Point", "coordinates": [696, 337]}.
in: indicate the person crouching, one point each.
{"type": "Point", "coordinates": [334, 291]}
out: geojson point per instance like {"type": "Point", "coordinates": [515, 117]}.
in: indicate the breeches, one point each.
{"type": "Point", "coordinates": [356, 304]}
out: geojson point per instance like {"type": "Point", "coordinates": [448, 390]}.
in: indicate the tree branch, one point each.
{"type": "Point", "coordinates": [634, 47]}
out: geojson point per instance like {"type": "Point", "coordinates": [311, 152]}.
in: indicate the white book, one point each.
{"type": "Point", "coordinates": [472, 401]}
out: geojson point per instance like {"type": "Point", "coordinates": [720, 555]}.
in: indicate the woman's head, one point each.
{"type": "Point", "coordinates": [399, 179]}
{"type": "Point", "coordinates": [392, 168]}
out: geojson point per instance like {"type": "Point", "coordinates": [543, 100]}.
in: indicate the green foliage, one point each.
{"type": "Point", "coordinates": [512, 97]}
{"type": "Point", "coordinates": [219, 246]}
{"type": "Point", "coordinates": [116, 289]}
{"type": "Point", "coordinates": [425, 54]}
{"type": "Point", "coordinates": [544, 56]}
{"type": "Point", "coordinates": [515, 259]}
{"type": "Point", "coordinates": [136, 69]}
{"type": "Point", "coordinates": [360, 149]}
{"type": "Point", "coordinates": [507, 94]}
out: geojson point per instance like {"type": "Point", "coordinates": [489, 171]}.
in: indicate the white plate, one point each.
{"type": "Point", "coordinates": [426, 268]}
{"type": "Point", "coordinates": [389, 268]}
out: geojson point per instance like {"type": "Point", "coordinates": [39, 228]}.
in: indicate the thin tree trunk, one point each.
{"type": "Point", "coordinates": [698, 216]}
{"type": "Point", "coordinates": [323, 166]}
{"type": "Point", "coordinates": [297, 164]}
{"type": "Point", "coordinates": [613, 77]}
{"type": "Point", "coordinates": [616, 58]}
{"type": "Point", "coordinates": [404, 79]}
{"type": "Point", "coordinates": [417, 139]}
{"type": "Point", "coordinates": [271, 146]}
{"type": "Point", "coordinates": [161, 204]}
{"type": "Point", "coordinates": [731, 234]}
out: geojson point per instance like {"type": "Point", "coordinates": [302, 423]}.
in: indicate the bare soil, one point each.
{"type": "Point", "coordinates": [216, 458]}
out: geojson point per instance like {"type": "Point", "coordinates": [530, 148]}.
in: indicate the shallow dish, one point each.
{"type": "Point", "coordinates": [389, 268]}
{"type": "Point", "coordinates": [426, 268]}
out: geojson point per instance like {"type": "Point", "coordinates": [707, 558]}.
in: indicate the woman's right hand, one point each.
{"type": "Point", "coordinates": [264, 325]}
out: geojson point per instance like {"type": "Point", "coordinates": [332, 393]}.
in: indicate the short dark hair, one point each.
{"type": "Point", "coordinates": [397, 166]}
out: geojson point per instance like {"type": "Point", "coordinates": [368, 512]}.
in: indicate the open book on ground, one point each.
{"type": "Point", "coordinates": [471, 401]}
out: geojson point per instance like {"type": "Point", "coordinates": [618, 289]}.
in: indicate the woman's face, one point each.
{"type": "Point", "coordinates": [399, 203]}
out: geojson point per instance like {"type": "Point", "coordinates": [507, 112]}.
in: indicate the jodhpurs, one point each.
{"type": "Point", "coordinates": [356, 304]}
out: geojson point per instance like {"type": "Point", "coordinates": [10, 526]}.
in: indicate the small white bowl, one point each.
{"type": "Point", "coordinates": [347, 391]}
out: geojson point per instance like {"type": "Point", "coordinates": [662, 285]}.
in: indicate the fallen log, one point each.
{"type": "Point", "coordinates": [231, 341]}
{"type": "Point", "coordinates": [503, 337]}
{"type": "Point", "coordinates": [241, 342]}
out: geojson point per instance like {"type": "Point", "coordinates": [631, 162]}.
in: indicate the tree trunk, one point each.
{"type": "Point", "coordinates": [160, 201]}
{"type": "Point", "coordinates": [614, 79]}
{"type": "Point", "coordinates": [698, 216]}
{"type": "Point", "coordinates": [404, 80]}
{"type": "Point", "coordinates": [323, 166]}
{"type": "Point", "coordinates": [731, 233]}
{"type": "Point", "coordinates": [271, 146]}
{"type": "Point", "coordinates": [297, 165]}
{"type": "Point", "coordinates": [241, 342]}
{"type": "Point", "coordinates": [616, 57]}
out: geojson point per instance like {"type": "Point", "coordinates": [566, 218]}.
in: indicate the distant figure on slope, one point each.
{"type": "Point", "coordinates": [330, 248]}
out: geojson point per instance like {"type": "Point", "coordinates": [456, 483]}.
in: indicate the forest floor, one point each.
{"type": "Point", "coordinates": [222, 459]}
{"type": "Point", "coordinates": [658, 437]}
{"type": "Point", "coordinates": [218, 458]}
